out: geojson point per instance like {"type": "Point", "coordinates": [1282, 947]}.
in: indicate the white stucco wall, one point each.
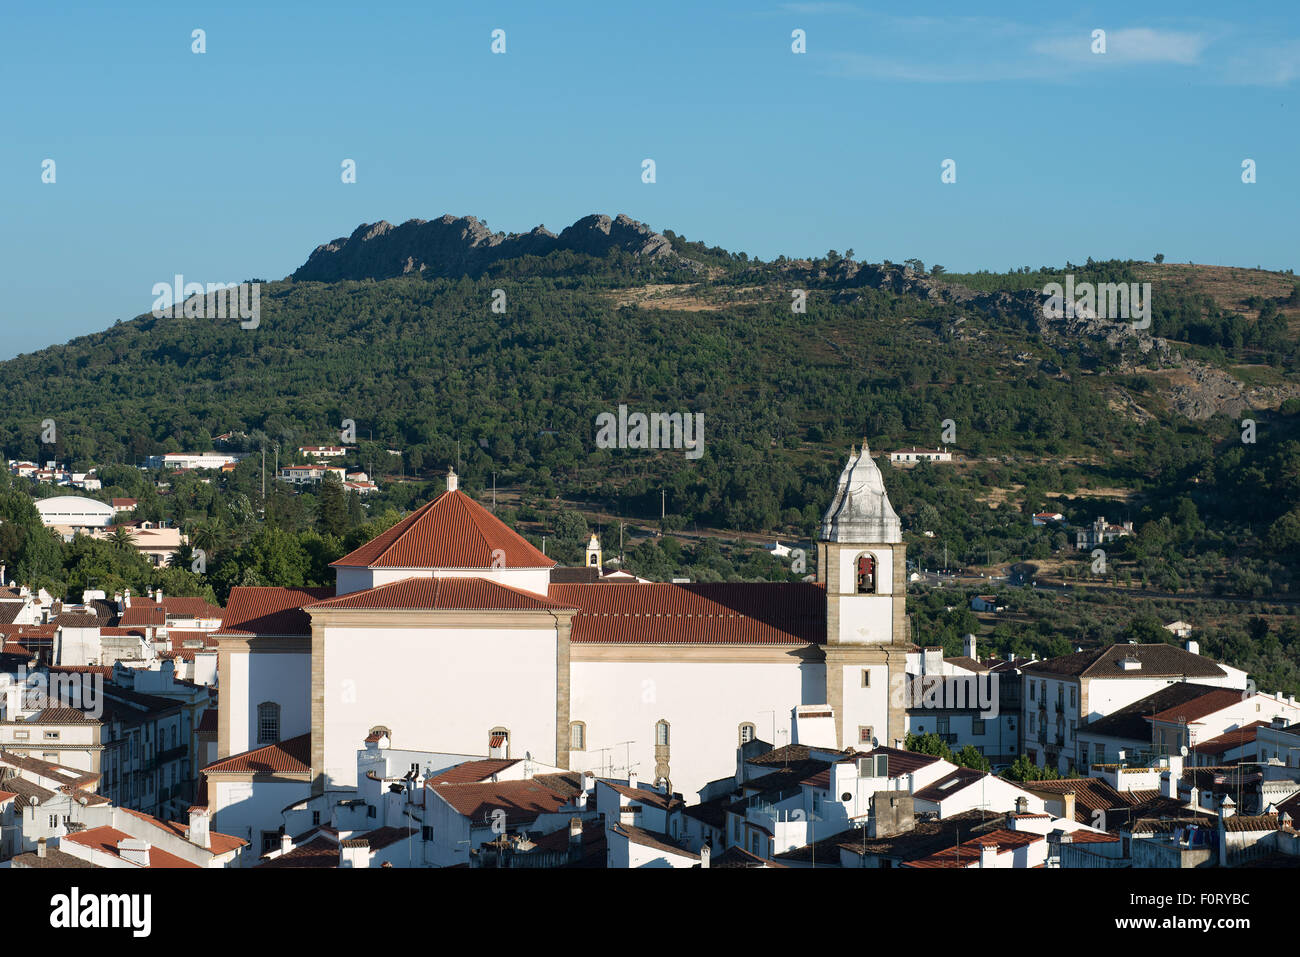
{"type": "Point", "coordinates": [242, 810]}
{"type": "Point", "coordinates": [704, 703]}
{"type": "Point", "coordinates": [348, 580]}
{"type": "Point", "coordinates": [866, 707]}
{"type": "Point", "coordinates": [282, 677]}
{"type": "Point", "coordinates": [440, 688]}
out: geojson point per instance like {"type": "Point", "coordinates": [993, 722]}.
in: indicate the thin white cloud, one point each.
{"type": "Point", "coordinates": [920, 49]}
{"type": "Point", "coordinates": [817, 9]}
{"type": "Point", "coordinates": [1138, 45]}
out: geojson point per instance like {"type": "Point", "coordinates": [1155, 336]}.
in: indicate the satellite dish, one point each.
{"type": "Point", "coordinates": [1183, 750]}
{"type": "Point", "coordinates": [33, 800]}
{"type": "Point", "coordinates": [846, 797]}
{"type": "Point", "coordinates": [875, 742]}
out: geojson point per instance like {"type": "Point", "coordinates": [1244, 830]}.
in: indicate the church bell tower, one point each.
{"type": "Point", "coordinates": [861, 561]}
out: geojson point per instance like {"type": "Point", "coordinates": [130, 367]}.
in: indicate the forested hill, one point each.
{"type": "Point", "coordinates": [394, 327]}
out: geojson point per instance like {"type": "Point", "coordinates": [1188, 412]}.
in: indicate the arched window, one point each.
{"type": "Point", "coordinates": [747, 732]}
{"type": "Point", "coordinates": [593, 559]}
{"type": "Point", "coordinates": [866, 574]}
{"type": "Point", "coordinates": [268, 722]}
{"type": "Point", "coordinates": [578, 736]}
{"type": "Point", "coordinates": [661, 734]}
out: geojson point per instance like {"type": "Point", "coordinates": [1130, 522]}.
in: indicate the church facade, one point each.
{"type": "Point", "coordinates": [450, 632]}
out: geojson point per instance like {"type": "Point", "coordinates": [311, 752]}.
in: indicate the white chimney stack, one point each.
{"type": "Point", "coordinates": [134, 851]}
{"type": "Point", "coordinates": [199, 831]}
{"type": "Point", "coordinates": [631, 779]}
{"type": "Point", "coordinates": [988, 855]}
{"type": "Point", "coordinates": [705, 853]}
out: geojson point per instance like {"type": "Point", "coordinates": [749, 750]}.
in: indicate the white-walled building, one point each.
{"type": "Point", "coordinates": [450, 627]}
{"type": "Point", "coordinates": [192, 460]}
{"type": "Point", "coordinates": [1059, 694]}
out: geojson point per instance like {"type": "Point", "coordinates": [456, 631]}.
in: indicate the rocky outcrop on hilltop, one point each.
{"type": "Point", "coordinates": [463, 246]}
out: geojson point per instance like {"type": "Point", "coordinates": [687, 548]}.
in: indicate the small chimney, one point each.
{"type": "Point", "coordinates": [286, 844]}
{"type": "Point", "coordinates": [134, 851]}
{"type": "Point", "coordinates": [354, 853]}
{"type": "Point", "coordinates": [40, 847]}
{"type": "Point", "coordinates": [199, 831]}
{"type": "Point", "coordinates": [575, 839]}
{"type": "Point", "coordinates": [1022, 805]}
{"type": "Point", "coordinates": [158, 596]}
{"type": "Point", "coordinates": [1228, 808]}
{"type": "Point", "coordinates": [705, 853]}
{"type": "Point", "coordinates": [588, 781]}
{"type": "Point", "coordinates": [452, 480]}
{"type": "Point", "coordinates": [1067, 801]}
{"type": "Point", "coordinates": [1193, 647]}
{"type": "Point", "coordinates": [126, 597]}
{"type": "Point", "coordinates": [631, 779]}
{"type": "Point", "coordinates": [988, 855]}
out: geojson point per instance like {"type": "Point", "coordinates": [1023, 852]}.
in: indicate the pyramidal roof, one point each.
{"type": "Point", "coordinates": [452, 531]}
{"type": "Point", "coordinates": [860, 512]}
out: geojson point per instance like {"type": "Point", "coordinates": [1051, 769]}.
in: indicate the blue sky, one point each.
{"type": "Point", "coordinates": [226, 165]}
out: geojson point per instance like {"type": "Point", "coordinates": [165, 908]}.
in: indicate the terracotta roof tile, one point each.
{"type": "Point", "coordinates": [270, 611]}
{"type": "Point", "coordinates": [667, 802]}
{"type": "Point", "coordinates": [452, 531]}
{"type": "Point", "coordinates": [652, 840]}
{"type": "Point", "coordinates": [471, 772]}
{"type": "Point", "coordinates": [106, 839]}
{"type": "Point", "coordinates": [715, 613]}
{"type": "Point", "coordinates": [1225, 742]}
{"type": "Point", "coordinates": [320, 852]}
{"type": "Point", "coordinates": [442, 594]}
{"type": "Point", "coordinates": [522, 801]}
{"type": "Point", "coordinates": [291, 756]}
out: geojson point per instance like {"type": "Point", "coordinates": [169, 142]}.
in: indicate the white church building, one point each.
{"type": "Point", "coordinates": [451, 632]}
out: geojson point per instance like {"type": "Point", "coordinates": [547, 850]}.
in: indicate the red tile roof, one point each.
{"type": "Point", "coordinates": [208, 723]}
{"type": "Point", "coordinates": [142, 613]}
{"type": "Point", "coordinates": [722, 613]}
{"type": "Point", "coordinates": [320, 852]}
{"type": "Point", "coordinates": [522, 801]}
{"type": "Point", "coordinates": [1225, 742]}
{"type": "Point", "coordinates": [221, 843]}
{"type": "Point", "coordinates": [270, 611]}
{"type": "Point", "coordinates": [1198, 708]}
{"type": "Point", "coordinates": [471, 772]}
{"type": "Point", "coordinates": [183, 607]}
{"type": "Point", "coordinates": [452, 531]}
{"type": "Point", "coordinates": [667, 802]}
{"type": "Point", "coordinates": [967, 853]}
{"type": "Point", "coordinates": [291, 756]}
{"type": "Point", "coordinates": [106, 839]}
{"type": "Point", "coordinates": [476, 594]}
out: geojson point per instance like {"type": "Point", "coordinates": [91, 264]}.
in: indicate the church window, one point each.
{"type": "Point", "coordinates": [747, 732]}
{"type": "Point", "coordinates": [268, 722]}
{"type": "Point", "coordinates": [592, 559]}
{"type": "Point", "coordinates": [866, 574]}
{"type": "Point", "coordinates": [578, 736]}
{"type": "Point", "coordinates": [661, 734]}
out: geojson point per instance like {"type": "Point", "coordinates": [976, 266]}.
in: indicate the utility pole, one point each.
{"type": "Point", "coordinates": [494, 492]}
{"type": "Point", "coordinates": [264, 479]}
